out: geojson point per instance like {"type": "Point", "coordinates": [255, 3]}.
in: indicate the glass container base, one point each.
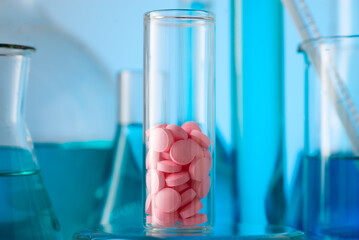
{"type": "Point", "coordinates": [219, 231]}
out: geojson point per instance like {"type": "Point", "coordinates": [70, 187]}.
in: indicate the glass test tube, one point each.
{"type": "Point", "coordinates": [179, 119]}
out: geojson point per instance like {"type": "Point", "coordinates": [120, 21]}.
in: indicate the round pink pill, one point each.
{"type": "Point", "coordinates": [152, 159]}
{"type": "Point", "coordinates": [168, 166]}
{"type": "Point", "coordinates": [200, 168]}
{"type": "Point", "coordinates": [176, 179]}
{"type": "Point", "coordinates": [164, 219]}
{"type": "Point", "coordinates": [155, 180]}
{"type": "Point", "coordinates": [148, 131]}
{"type": "Point", "coordinates": [202, 187]}
{"type": "Point", "coordinates": [161, 140]}
{"type": "Point", "coordinates": [200, 138]}
{"type": "Point", "coordinates": [181, 188]}
{"type": "Point", "coordinates": [190, 126]}
{"type": "Point", "coordinates": [191, 209]}
{"type": "Point", "coordinates": [177, 132]}
{"type": "Point", "coordinates": [187, 196]}
{"type": "Point", "coordinates": [197, 219]}
{"type": "Point", "coordinates": [168, 200]}
{"type": "Point", "coordinates": [148, 206]}
{"type": "Point", "coordinates": [183, 151]}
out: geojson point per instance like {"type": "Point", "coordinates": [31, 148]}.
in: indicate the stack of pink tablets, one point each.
{"type": "Point", "coordinates": [178, 163]}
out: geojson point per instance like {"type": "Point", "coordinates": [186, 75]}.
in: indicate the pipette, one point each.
{"type": "Point", "coordinates": [308, 30]}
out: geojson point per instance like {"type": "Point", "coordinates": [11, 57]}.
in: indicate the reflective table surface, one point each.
{"type": "Point", "coordinates": [223, 231]}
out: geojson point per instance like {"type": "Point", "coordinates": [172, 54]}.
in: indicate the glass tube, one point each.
{"type": "Point", "coordinates": [258, 86]}
{"type": "Point", "coordinates": [179, 119]}
{"type": "Point", "coordinates": [331, 166]}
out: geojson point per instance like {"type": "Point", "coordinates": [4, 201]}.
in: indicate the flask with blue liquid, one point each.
{"type": "Point", "coordinates": [25, 209]}
{"type": "Point", "coordinates": [122, 206]}
{"type": "Point", "coordinates": [70, 111]}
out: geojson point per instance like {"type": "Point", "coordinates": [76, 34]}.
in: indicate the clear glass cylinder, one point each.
{"type": "Point", "coordinates": [258, 82]}
{"type": "Point", "coordinates": [25, 209]}
{"type": "Point", "coordinates": [179, 119]}
{"type": "Point", "coordinates": [331, 167]}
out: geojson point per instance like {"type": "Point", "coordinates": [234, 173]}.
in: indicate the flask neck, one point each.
{"type": "Point", "coordinates": [12, 90]}
{"type": "Point", "coordinates": [14, 62]}
{"type": "Point", "coordinates": [130, 98]}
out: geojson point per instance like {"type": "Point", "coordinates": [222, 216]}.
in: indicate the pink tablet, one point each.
{"type": "Point", "coordinates": [167, 200]}
{"type": "Point", "coordinates": [176, 179]}
{"type": "Point", "coordinates": [161, 140]}
{"type": "Point", "coordinates": [177, 132]}
{"type": "Point", "coordinates": [191, 209]}
{"type": "Point", "coordinates": [200, 138]}
{"type": "Point", "coordinates": [155, 180]}
{"type": "Point", "coordinates": [200, 168]}
{"type": "Point", "coordinates": [183, 151]}
{"type": "Point", "coordinates": [190, 126]}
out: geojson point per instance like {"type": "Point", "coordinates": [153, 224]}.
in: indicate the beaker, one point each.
{"type": "Point", "coordinates": [179, 124]}
{"type": "Point", "coordinates": [312, 19]}
{"type": "Point", "coordinates": [122, 207]}
{"type": "Point", "coordinates": [70, 111]}
{"type": "Point", "coordinates": [331, 166]}
{"type": "Point", "coordinates": [25, 208]}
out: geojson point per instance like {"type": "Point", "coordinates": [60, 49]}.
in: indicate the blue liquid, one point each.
{"type": "Point", "coordinates": [259, 97]}
{"type": "Point", "coordinates": [122, 207]}
{"type": "Point", "coordinates": [333, 197]}
{"type": "Point", "coordinates": [25, 209]}
{"type": "Point", "coordinates": [75, 175]}
{"type": "Point", "coordinates": [225, 188]}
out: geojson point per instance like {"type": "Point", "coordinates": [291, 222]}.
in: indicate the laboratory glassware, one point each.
{"type": "Point", "coordinates": [70, 111]}
{"type": "Point", "coordinates": [25, 208]}
{"type": "Point", "coordinates": [331, 172]}
{"type": "Point", "coordinates": [179, 134]}
{"type": "Point", "coordinates": [226, 209]}
{"type": "Point", "coordinates": [258, 75]}
{"type": "Point", "coordinates": [122, 207]}
{"type": "Point", "coordinates": [308, 21]}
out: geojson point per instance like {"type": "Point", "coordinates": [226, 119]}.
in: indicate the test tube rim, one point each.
{"type": "Point", "coordinates": [14, 49]}
{"type": "Point", "coordinates": [175, 14]}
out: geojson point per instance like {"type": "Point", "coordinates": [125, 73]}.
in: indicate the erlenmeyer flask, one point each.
{"type": "Point", "coordinates": [71, 111]}
{"type": "Point", "coordinates": [25, 209]}
{"type": "Point", "coordinates": [122, 207]}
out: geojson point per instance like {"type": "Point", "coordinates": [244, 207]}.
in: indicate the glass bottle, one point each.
{"type": "Point", "coordinates": [179, 124]}
{"type": "Point", "coordinates": [122, 207]}
{"type": "Point", "coordinates": [71, 111]}
{"type": "Point", "coordinates": [26, 211]}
